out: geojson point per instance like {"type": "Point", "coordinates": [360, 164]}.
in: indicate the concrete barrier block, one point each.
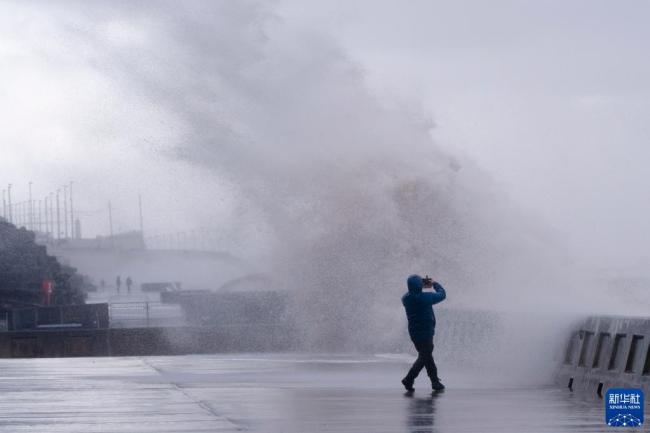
{"type": "Point", "coordinates": [607, 352]}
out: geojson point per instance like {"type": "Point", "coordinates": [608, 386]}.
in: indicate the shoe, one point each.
{"type": "Point", "coordinates": [408, 385]}
{"type": "Point", "coordinates": [437, 386]}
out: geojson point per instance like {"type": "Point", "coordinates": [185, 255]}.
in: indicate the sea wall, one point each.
{"type": "Point", "coordinates": [607, 352]}
{"type": "Point", "coordinates": [141, 341]}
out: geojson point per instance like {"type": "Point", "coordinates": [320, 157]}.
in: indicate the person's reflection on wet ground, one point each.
{"type": "Point", "coordinates": [420, 412]}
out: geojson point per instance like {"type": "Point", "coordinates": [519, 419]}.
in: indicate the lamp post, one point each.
{"type": "Point", "coordinates": [58, 215]}
{"type": "Point", "coordinates": [72, 225]}
{"type": "Point", "coordinates": [30, 210]}
{"type": "Point", "coordinates": [65, 210]}
{"type": "Point", "coordinates": [11, 217]}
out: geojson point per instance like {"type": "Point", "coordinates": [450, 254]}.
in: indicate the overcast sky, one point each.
{"type": "Point", "coordinates": [551, 98]}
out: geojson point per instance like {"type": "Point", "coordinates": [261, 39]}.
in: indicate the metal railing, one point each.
{"type": "Point", "coordinates": [57, 316]}
{"type": "Point", "coordinates": [145, 314]}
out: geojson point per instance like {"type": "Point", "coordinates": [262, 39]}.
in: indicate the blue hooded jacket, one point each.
{"type": "Point", "coordinates": [419, 311]}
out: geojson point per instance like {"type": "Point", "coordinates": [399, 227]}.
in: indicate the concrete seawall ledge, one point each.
{"type": "Point", "coordinates": [51, 343]}
{"type": "Point", "coordinates": [606, 352]}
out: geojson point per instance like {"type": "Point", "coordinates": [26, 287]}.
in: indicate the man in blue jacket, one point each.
{"type": "Point", "coordinates": [422, 325]}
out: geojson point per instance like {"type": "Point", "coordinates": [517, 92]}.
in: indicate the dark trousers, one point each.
{"type": "Point", "coordinates": [425, 359]}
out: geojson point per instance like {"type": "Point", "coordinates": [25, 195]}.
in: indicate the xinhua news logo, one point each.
{"type": "Point", "coordinates": [624, 407]}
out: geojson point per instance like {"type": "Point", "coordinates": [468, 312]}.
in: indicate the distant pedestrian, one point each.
{"type": "Point", "coordinates": [422, 325]}
{"type": "Point", "coordinates": [129, 283]}
{"type": "Point", "coordinates": [102, 284]}
{"type": "Point", "coordinates": [118, 283]}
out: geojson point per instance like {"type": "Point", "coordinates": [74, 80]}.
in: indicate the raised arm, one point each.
{"type": "Point", "coordinates": [438, 296]}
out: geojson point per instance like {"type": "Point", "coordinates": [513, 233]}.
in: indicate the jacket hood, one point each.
{"type": "Point", "coordinates": [415, 283]}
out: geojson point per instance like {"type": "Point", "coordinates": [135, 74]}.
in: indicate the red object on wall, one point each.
{"type": "Point", "coordinates": [47, 288]}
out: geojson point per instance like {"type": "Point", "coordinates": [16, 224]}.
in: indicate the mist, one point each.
{"type": "Point", "coordinates": [230, 115]}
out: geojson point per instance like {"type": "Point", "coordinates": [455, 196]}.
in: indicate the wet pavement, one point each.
{"type": "Point", "coordinates": [271, 393]}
